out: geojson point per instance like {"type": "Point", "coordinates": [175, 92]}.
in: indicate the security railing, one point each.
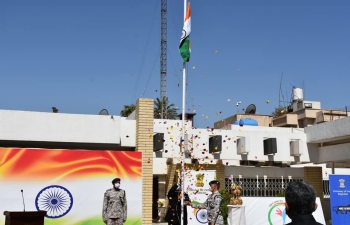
{"type": "Point", "coordinates": [267, 187]}
{"type": "Point", "coordinates": [260, 187]}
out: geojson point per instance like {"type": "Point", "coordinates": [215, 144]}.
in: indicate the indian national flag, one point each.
{"type": "Point", "coordinates": [185, 48]}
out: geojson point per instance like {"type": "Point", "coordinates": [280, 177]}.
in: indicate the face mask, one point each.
{"type": "Point", "coordinates": [116, 185]}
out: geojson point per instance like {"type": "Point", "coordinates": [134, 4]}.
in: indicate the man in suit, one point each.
{"type": "Point", "coordinates": [114, 210]}
{"type": "Point", "coordinates": [173, 215]}
{"type": "Point", "coordinates": [301, 203]}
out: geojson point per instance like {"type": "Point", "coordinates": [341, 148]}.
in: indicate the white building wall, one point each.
{"type": "Point", "coordinates": [332, 130]}
{"type": "Point", "coordinates": [127, 132]}
{"type": "Point", "coordinates": [77, 128]}
{"type": "Point", "coordinates": [199, 143]}
{"type": "Point", "coordinates": [59, 127]}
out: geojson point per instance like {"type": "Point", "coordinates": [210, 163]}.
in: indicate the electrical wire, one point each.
{"type": "Point", "coordinates": [150, 75]}
{"type": "Point", "coordinates": [144, 55]}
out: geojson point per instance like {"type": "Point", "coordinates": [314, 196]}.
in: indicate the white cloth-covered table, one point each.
{"type": "Point", "coordinates": [236, 215]}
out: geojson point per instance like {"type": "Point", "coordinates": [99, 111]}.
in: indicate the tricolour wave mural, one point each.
{"type": "Point", "coordinates": [68, 184]}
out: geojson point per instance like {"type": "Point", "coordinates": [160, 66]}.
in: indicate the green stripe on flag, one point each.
{"type": "Point", "coordinates": [185, 49]}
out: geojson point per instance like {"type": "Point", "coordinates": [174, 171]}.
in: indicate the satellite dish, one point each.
{"type": "Point", "coordinates": [251, 109]}
{"type": "Point", "coordinates": [103, 112]}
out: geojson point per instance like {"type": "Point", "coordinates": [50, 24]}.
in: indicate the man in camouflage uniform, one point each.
{"type": "Point", "coordinates": [114, 205]}
{"type": "Point", "coordinates": [212, 205]}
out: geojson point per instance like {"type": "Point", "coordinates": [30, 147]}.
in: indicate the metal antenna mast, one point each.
{"type": "Point", "coordinates": [280, 92]}
{"type": "Point", "coordinates": [163, 56]}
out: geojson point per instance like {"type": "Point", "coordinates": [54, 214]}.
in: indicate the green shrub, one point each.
{"type": "Point", "coordinates": [226, 196]}
{"type": "Point", "coordinates": [281, 194]}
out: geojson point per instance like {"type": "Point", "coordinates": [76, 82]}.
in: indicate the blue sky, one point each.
{"type": "Point", "coordinates": [83, 56]}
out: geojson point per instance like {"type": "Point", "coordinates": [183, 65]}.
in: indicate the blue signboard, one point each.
{"type": "Point", "coordinates": [339, 186]}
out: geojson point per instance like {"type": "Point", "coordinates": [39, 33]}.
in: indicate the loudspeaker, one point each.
{"type": "Point", "coordinates": [158, 142]}
{"type": "Point", "coordinates": [270, 146]}
{"type": "Point", "coordinates": [215, 143]}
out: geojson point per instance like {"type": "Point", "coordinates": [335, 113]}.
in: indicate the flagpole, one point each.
{"type": "Point", "coordinates": [182, 144]}
{"type": "Point", "coordinates": [183, 139]}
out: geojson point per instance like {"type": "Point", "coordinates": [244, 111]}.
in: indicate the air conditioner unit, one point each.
{"type": "Point", "coordinates": [188, 141]}
{"type": "Point", "coordinates": [308, 105]}
{"type": "Point", "coordinates": [242, 145]}
{"type": "Point", "coordinates": [295, 149]}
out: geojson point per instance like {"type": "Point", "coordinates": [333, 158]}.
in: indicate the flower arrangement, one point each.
{"type": "Point", "coordinates": [161, 203]}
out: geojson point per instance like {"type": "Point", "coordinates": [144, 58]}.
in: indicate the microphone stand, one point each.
{"type": "Point", "coordinates": [24, 206]}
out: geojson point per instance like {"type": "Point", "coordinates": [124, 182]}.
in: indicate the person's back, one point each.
{"type": "Point", "coordinates": [301, 203]}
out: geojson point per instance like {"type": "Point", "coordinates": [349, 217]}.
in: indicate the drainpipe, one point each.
{"type": "Point", "coordinates": [346, 110]}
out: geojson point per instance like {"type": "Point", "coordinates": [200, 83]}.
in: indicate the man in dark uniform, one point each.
{"type": "Point", "coordinates": [173, 215]}
{"type": "Point", "coordinates": [212, 205]}
{"type": "Point", "coordinates": [114, 210]}
{"type": "Point", "coordinates": [301, 203]}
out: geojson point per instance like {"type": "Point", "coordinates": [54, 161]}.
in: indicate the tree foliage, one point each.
{"type": "Point", "coordinates": [128, 109]}
{"type": "Point", "coordinates": [168, 112]}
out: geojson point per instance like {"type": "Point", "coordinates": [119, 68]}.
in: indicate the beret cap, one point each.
{"type": "Point", "coordinates": [115, 180]}
{"type": "Point", "coordinates": [214, 182]}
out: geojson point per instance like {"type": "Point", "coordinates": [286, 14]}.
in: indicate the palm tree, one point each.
{"type": "Point", "coordinates": [168, 112]}
{"type": "Point", "coordinates": [128, 109]}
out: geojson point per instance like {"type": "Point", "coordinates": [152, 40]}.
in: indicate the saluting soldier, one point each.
{"type": "Point", "coordinates": [212, 205]}
{"type": "Point", "coordinates": [114, 210]}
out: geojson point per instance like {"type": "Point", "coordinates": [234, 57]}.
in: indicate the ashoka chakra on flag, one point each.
{"type": "Point", "coordinates": [56, 200]}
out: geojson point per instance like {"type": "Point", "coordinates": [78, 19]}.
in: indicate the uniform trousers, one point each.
{"type": "Point", "coordinates": [113, 221]}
